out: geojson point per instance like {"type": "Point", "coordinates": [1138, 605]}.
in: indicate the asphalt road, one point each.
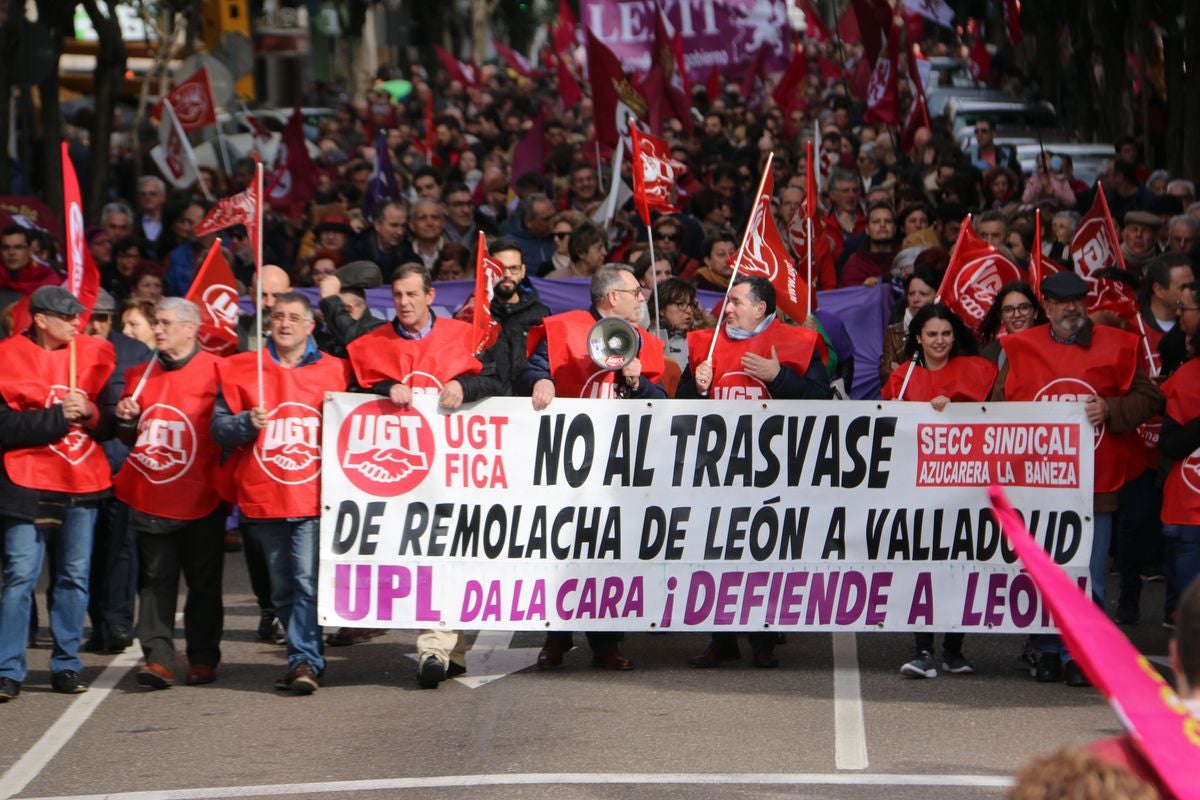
{"type": "Point", "coordinates": [836, 720]}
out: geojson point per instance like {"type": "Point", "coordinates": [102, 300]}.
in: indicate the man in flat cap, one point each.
{"type": "Point", "coordinates": [1139, 235]}
{"type": "Point", "coordinates": [52, 478]}
{"type": "Point", "coordinates": [1073, 360]}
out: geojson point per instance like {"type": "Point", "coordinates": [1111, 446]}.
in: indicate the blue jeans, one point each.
{"type": "Point", "coordinates": [1183, 544]}
{"type": "Point", "coordinates": [291, 550]}
{"type": "Point", "coordinates": [1098, 575]}
{"type": "Point", "coordinates": [24, 547]}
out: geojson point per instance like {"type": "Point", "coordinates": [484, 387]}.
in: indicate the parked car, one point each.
{"type": "Point", "coordinates": [963, 113]}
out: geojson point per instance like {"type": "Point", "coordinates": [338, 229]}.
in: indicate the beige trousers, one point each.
{"type": "Point", "coordinates": [446, 645]}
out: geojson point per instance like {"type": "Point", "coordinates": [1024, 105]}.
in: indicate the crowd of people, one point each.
{"type": "Point", "coordinates": [116, 484]}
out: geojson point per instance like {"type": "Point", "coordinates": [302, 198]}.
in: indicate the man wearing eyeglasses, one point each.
{"type": "Point", "coordinates": [462, 223]}
{"type": "Point", "coordinates": [276, 444]}
{"type": "Point", "coordinates": [52, 478]}
{"type": "Point", "coordinates": [559, 365]}
{"type": "Point", "coordinates": [169, 483]}
{"type": "Point", "coordinates": [1073, 360]}
{"type": "Point", "coordinates": [515, 305]}
{"type": "Point", "coordinates": [21, 274]}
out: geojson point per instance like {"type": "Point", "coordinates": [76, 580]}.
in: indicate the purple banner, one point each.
{"type": "Point", "coordinates": [721, 33]}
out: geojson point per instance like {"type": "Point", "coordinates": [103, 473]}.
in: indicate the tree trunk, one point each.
{"type": "Point", "coordinates": [14, 13]}
{"type": "Point", "coordinates": [1190, 96]}
{"type": "Point", "coordinates": [56, 17]}
{"type": "Point", "coordinates": [109, 78]}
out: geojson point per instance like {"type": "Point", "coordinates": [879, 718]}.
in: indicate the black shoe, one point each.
{"type": "Point", "coordinates": [454, 670]}
{"type": "Point", "coordinates": [94, 643]}
{"type": "Point", "coordinates": [9, 689]}
{"type": "Point", "coordinates": [1074, 675]}
{"type": "Point", "coordinates": [1127, 614]}
{"type": "Point", "coordinates": [1049, 668]}
{"type": "Point", "coordinates": [67, 682]}
{"type": "Point", "coordinates": [431, 673]}
{"type": "Point", "coordinates": [117, 642]}
{"type": "Point", "coordinates": [266, 626]}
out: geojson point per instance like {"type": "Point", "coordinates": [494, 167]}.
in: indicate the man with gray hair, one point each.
{"type": "Point", "coordinates": [169, 483]}
{"type": "Point", "coordinates": [560, 364]}
{"type": "Point", "coordinates": [427, 224]}
{"type": "Point", "coordinates": [1182, 234]}
{"type": "Point", "coordinates": [117, 219]}
{"type": "Point", "coordinates": [1184, 189]}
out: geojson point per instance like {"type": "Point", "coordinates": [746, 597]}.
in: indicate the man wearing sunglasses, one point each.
{"type": "Point", "coordinates": [52, 478]}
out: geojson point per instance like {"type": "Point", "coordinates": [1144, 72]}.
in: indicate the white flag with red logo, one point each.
{"type": "Point", "coordinates": [173, 153]}
{"type": "Point", "coordinates": [764, 254]}
{"type": "Point", "coordinates": [83, 278]}
{"type": "Point", "coordinates": [1095, 244]}
{"type": "Point", "coordinates": [974, 277]}
{"type": "Point", "coordinates": [193, 102]}
{"type": "Point", "coordinates": [488, 272]}
{"type": "Point", "coordinates": [238, 209]}
{"type": "Point", "coordinates": [654, 173]}
{"type": "Point", "coordinates": [214, 291]}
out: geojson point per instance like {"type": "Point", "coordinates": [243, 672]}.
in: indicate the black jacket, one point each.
{"type": "Point", "coordinates": [508, 353]}
{"type": "Point", "coordinates": [340, 328]}
{"type": "Point", "coordinates": [19, 429]}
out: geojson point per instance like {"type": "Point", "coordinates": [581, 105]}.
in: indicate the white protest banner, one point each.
{"type": "Point", "coordinates": [695, 515]}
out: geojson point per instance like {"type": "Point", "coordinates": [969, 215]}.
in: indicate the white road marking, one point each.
{"type": "Point", "coordinates": [850, 731]}
{"type": "Point", "coordinates": [559, 779]}
{"type": "Point", "coordinates": [31, 764]}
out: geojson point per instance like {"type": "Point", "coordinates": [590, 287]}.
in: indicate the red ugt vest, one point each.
{"type": "Point", "coordinates": [794, 346]}
{"type": "Point", "coordinates": [1045, 370]}
{"type": "Point", "coordinates": [171, 471]}
{"type": "Point", "coordinates": [963, 379]}
{"type": "Point", "coordinates": [1181, 494]}
{"type": "Point", "coordinates": [36, 378]}
{"type": "Point", "coordinates": [575, 374]}
{"type": "Point", "coordinates": [423, 365]}
{"type": "Point", "coordinates": [276, 476]}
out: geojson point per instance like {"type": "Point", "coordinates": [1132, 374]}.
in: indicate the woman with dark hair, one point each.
{"type": "Point", "coordinates": [942, 368]}
{"type": "Point", "coordinates": [1016, 308]}
{"type": "Point", "coordinates": [181, 246]}
{"type": "Point", "coordinates": [920, 288]}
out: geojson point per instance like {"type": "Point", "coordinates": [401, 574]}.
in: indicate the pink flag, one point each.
{"type": "Point", "coordinates": [883, 96]}
{"type": "Point", "coordinates": [515, 60]}
{"type": "Point", "coordinates": [1157, 720]}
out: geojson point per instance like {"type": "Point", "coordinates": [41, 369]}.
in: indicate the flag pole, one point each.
{"type": "Point", "coordinates": [1141, 325]}
{"type": "Point", "coordinates": [71, 366]}
{"type": "Point", "coordinates": [258, 264]}
{"type": "Point", "coordinates": [137, 391]}
{"type": "Point", "coordinates": [633, 160]}
{"type": "Point", "coordinates": [912, 363]}
{"type": "Point", "coordinates": [741, 253]}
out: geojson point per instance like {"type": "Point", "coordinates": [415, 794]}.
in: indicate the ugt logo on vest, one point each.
{"type": "Point", "coordinates": [1190, 471]}
{"type": "Point", "coordinates": [1070, 390]}
{"type": "Point", "coordinates": [166, 444]}
{"type": "Point", "coordinates": [739, 386]}
{"type": "Point", "coordinates": [76, 445]}
{"type": "Point", "coordinates": [289, 448]}
{"type": "Point", "coordinates": [600, 385]}
{"type": "Point", "coordinates": [384, 450]}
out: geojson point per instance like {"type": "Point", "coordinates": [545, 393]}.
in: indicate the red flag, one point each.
{"type": "Point", "coordinates": [830, 71]}
{"type": "Point", "coordinates": [822, 269]}
{"type": "Point", "coordinates": [565, 28]}
{"type": "Point", "coordinates": [712, 86]}
{"type": "Point", "coordinates": [1039, 266]}
{"type": "Point", "coordinates": [238, 209]}
{"type": "Point", "coordinates": [568, 88]}
{"type": "Point", "coordinates": [1159, 723]}
{"type": "Point", "coordinates": [668, 51]}
{"type": "Point", "coordinates": [1095, 244]}
{"type": "Point", "coordinates": [214, 291]}
{"type": "Point", "coordinates": [1110, 294]}
{"type": "Point", "coordinates": [814, 27]}
{"type": "Point", "coordinates": [515, 60]}
{"type": "Point", "coordinates": [755, 74]}
{"type": "Point", "coordinates": [654, 174]}
{"type": "Point", "coordinates": [980, 61]}
{"type": "Point", "coordinates": [457, 70]}
{"type": "Point", "coordinates": [612, 94]}
{"type": "Point", "coordinates": [193, 102]}
{"type": "Point", "coordinates": [83, 278]}
{"type": "Point", "coordinates": [1012, 20]}
{"type": "Point", "coordinates": [295, 179]}
{"type": "Point", "coordinates": [763, 254]}
{"type": "Point", "coordinates": [488, 272]}
{"type": "Point", "coordinates": [974, 276]}
{"type": "Point", "coordinates": [874, 18]}
{"type": "Point", "coordinates": [666, 87]}
{"type": "Point", "coordinates": [918, 115]}
{"type": "Point", "coordinates": [883, 94]}
{"type": "Point", "coordinates": [789, 93]}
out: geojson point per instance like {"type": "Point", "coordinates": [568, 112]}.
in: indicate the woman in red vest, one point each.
{"type": "Point", "coordinates": [942, 367]}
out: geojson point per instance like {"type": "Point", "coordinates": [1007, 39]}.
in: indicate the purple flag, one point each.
{"type": "Point", "coordinates": [530, 153]}
{"type": "Point", "coordinates": [382, 185]}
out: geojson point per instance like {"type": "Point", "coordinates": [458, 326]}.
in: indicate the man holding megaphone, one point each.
{"type": "Point", "coordinates": [598, 353]}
